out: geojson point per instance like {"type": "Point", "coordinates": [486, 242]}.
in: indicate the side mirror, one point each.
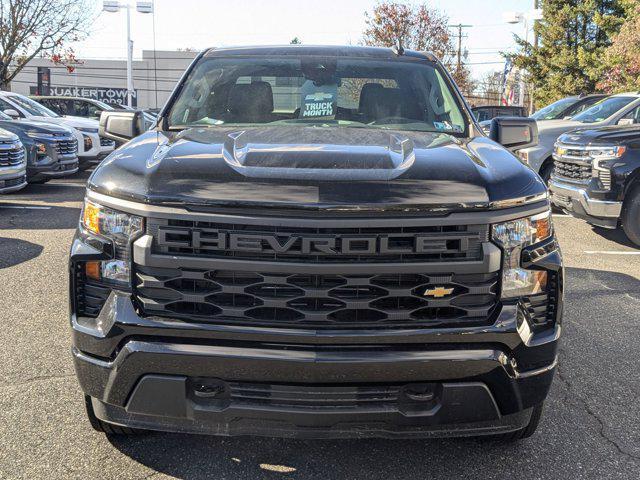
{"type": "Point", "coordinates": [121, 125]}
{"type": "Point", "coordinates": [12, 113]}
{"type": "Point", "coordinates": [514, 133]}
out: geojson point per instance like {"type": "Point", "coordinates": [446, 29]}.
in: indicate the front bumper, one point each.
{"type": "Point", "coordinates": [150, 373]}
{"type": "Point", "coordinates": [51, 168]}
{"type": "Point", "coordinates": [576, 200]}
{"type": "Point", "coordinates": [13, 178]}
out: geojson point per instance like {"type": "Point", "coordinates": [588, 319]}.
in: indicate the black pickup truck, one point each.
{"type": "Point", "coordinates": [596, 177]}
{"type": "Point", "coordinates": [316, 242]}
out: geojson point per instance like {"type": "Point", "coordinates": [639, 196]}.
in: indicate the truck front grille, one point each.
{"type": "Point", "coordinates": [456, 243]}
{"type": "Point", "coordinates": [580, 172]}
{"type": "Point", "coordinates": [317, 301]}
{"type": "Point", "coordinates": [11, 153]}
{"type": "Point", "coordinates": [106, 142]}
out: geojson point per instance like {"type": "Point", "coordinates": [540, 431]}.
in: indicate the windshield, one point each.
{"type": "Point", "coordinates": [603, 109]}
{"type": "Point", "coordinates": [551, 112]}
{"type": "Point", "coordinates": [32, 107]}
{"type": "Point", "coordinates": [317, 91]}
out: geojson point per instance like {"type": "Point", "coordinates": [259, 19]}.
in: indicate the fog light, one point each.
{"type": "Point", "coordinates": [42, 148]}
{"type": "Point", "coordinates": [88, 143]}
{"type": "Point", "coordinates": [113, 271]}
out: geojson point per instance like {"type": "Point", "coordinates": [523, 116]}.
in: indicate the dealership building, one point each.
{"type": "Point", "coordinates": [154, 76]}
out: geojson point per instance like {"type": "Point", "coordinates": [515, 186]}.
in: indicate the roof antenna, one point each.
{"type": "Point", "coordinates": [398, 49]}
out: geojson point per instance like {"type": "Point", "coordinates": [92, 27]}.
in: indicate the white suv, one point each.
{"type": "Point", "coordinates": [90, 148]}
{"type": "Point", "coordinates": [620, 109]}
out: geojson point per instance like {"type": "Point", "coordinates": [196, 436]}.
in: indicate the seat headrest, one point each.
{"type": "Point", "coordinates": [382, 103]}
{"type": "Point", "coordinates": [251, 99]}
{"type": "Point", "coordinates": [367, 91]}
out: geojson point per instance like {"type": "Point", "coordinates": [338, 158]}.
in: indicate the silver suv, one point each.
{"type": "Point", "coordinates": [620, 109]}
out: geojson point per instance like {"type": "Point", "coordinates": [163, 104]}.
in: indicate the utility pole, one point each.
{"type": "Point", "coordinates": [459, 36]}
{"type": "Point", "coordinates": [536, 6]}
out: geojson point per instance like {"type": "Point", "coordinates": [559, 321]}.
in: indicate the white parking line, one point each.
{"type": "Point", "coordinates": [610, 252]}
{"type": "Point", "coordinates": [24, 207]}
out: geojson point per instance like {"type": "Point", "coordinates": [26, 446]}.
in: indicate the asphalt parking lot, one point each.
{"type": "Point", "coordinates": [590, 429]}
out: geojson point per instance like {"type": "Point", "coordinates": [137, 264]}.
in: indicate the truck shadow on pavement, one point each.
{"type": "Point", "coordinates": [580, 419]}
{"type": "Point", "coordinates": [617, 236]}
{"type": "Point", "coordinates": [14, 251]}
{"type": "Point", "coordinates": [16, 217]}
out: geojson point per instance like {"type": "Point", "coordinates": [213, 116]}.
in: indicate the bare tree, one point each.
{"type": "Point", "coordinates": [415, 27]}
{"type": "Point", "coordinates": [30, 28]}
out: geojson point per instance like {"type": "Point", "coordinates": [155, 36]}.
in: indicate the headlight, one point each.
{"type": "Point", "coordinates": [523, 155]}
{"type": "Point", "coordinates": [121, 228]}
{"type": "Point", "coordinates": [606, 152]}
{"type": "Point", "coordinates": [513, 236]}
{"type": "Point", "coordinates": [88, 143]}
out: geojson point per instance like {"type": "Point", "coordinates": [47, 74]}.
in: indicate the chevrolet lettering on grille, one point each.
{"type": "Point", "coordinates": [298, 244]}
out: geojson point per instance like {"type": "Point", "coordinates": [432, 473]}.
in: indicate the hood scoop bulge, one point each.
{"type": "Point", "coordinates": [318, 154]}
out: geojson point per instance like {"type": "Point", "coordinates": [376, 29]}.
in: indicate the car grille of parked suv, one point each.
{"type": "Point", "coordinates": [67, 146]}
{"type": "Point", "coordinates": [258, 293]}
{"type": "Point", "coordinates": [11, 153]}
{"type": "Point", "coordinates": [105, 142]}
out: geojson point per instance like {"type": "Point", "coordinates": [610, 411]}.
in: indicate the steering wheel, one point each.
{"type": "Point", "coordinates": [390, 120]}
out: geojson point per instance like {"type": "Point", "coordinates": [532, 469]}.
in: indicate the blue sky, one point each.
{"type": "Point", "coordinates": [203, 23]}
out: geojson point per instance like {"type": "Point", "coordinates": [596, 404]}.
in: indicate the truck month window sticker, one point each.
{"type": "Point", "coordinates": [318, 102]}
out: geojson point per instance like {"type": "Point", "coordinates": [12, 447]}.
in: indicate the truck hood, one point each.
{"type": "Point", "coordinates": [314, 168]}
{"type": "Point", "coordinates": [614, 134]}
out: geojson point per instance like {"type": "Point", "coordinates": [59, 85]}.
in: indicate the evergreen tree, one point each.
{"type": "Point", "coordinates": [573, 37]}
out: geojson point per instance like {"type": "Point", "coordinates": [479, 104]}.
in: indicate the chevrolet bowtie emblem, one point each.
{"type": "Point", "coordinates": [438, 292]}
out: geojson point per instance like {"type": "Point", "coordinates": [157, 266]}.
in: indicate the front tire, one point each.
{"type": "Point", "coordinates": [104, 427]}
{"type": "Point", "coordinates": [631, 216]}
{"type": "Point", "coordinates": [546, 170]}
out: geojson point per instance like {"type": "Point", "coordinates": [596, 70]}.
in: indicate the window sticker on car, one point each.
{"type": "Point", "coordinates": [318, 102]}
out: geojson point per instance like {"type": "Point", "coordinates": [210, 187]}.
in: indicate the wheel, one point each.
{"type": "Point", "coordinates": [631, 216]}
{"type": "Point", "coordinates": [104, 427]}
{"type": "Point", "coordinates": [545, 171]}
{"type": "Point", "coordinates": [525, 432]}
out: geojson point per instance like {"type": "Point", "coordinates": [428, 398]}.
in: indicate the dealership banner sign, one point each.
{"type": "Point", "coordinates": [104, 94]}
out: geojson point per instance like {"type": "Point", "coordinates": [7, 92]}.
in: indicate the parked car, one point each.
{"type": "Point", "coordinates": [52, 150]}
{"type": "Point", "coordinates": [487, 112]}
{"type": "Point", "coordinates": [597, 177]}
{"type": "Point", "coordinates": [83, 107]}
{"type": "Point", "coordinates": [351, 256]}
{"type": "Point", "coordinates": [568, 107]}
{"type": "Point", "coordinates": [90, 147]}
{"type": "Point", "coordinates": [620, 109]}
{"type": "Point", "coordinates": [13, 167]}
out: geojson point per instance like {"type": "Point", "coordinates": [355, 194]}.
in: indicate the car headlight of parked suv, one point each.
{"type": "Point", "coordinates": [41, 148]}
{"type": "Point", "coordinates": [119, 229]}
{"type": "Point", "coordinates": [513, 236]}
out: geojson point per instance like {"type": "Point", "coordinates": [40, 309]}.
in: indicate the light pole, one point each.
{"type": "Point", "coordinates": [524, 18]}
{"type": "Point", "coordinates": [141, 7]}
